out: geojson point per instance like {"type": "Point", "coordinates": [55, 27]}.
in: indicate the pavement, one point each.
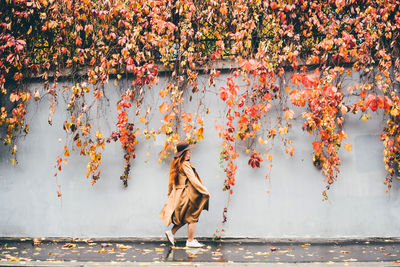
{"type": "Point", "coordinates": [67, 252]}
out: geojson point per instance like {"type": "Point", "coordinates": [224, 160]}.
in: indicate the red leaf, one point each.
{"type": "Point", "coordinates": [223, 95]}
{"type": "Point", "coordinates": [255, 160]}
{"type": "Point", "coordinates": [371, 102]}
{"type": "Point", "coordinates": [274, 5]}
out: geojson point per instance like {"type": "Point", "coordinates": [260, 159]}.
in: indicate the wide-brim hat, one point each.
{"type": "Point", "coordinates": [181, 147]}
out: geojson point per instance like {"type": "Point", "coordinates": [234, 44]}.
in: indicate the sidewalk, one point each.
{"type": "Point", "coordinates": [233, 252]}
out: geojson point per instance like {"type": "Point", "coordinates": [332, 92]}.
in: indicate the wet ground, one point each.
{"type": "Point", "coordinates": [238, 250]}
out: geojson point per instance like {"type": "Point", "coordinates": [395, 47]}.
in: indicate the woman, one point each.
{"type": "Point", "coordinates": [187, 196]}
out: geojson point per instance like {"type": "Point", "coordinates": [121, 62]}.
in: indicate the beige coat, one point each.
{"type": "Point", "coordinates": [187, 199]}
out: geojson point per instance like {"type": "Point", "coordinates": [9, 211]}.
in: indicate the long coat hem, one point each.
{"type": "Point", "coordinates": [186, 200]}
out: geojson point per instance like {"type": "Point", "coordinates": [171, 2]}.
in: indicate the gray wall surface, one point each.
{"type": "Point", "coordinates": [358, 205]}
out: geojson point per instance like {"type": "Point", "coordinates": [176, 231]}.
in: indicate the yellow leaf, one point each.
{"type": "Point", "coordinates": [365, 117]}
{"type": "Point", "coordinates": [13, 258]}
{"type": "Point", "coordinates": [99, 135]}
{"type": "Point", "coordinates": [269, 157]}
{"type": "Point", "coordinates": [142, 120]}
{"type": "Point", "coordinates": [261, 141]}
{"type": "Point", "coordinates": [200, 133]}
{"type": "Point", "coordinates": [395, 111]}
{"type": "Point", "coordinates": [14, 150]}
{"type": "Point", "coordinates": [283, 130]}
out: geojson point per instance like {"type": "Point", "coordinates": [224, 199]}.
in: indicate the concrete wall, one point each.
{"type": "Point", "coordinates": [358, 205]}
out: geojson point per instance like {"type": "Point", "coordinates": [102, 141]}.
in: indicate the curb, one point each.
{"type": "Point", "coordinates": [194, 264]}
{"type": "Point", "coordinates": [244, 240]}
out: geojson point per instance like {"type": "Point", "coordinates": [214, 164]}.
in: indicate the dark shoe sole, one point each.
{"type": "Point", "coordinates": [170, 241]}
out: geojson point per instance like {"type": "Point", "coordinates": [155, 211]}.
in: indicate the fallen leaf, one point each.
{"type": "Point", "coordinates": [350, 260]}
{"type": "Point", "coordinates": [121, 246]}
{"type": "Point", "coordinates": [69, 245]}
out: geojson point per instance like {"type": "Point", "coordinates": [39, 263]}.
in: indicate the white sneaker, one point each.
{"type": "Point", "coordinates": [170, 237]}
{"type": "Point", "coordinates": [194, 244]}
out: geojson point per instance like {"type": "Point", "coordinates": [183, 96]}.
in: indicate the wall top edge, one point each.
{"type": "Point", "coordinates": [221, 65]}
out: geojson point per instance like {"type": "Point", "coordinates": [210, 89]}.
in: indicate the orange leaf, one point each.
{"type": "Point", "coordinates": [169, 117]}
{"type": "Point", "coordinates": [163, 93]}
{"type": "Point", "coordinates": [223, 9]}
{"type": "Point", "coordinates": [248, 65]}
{"type": "Point", "coordinates": [98, 94]}
{"type": "Point", "coordinates": [317, 146]}
{"type": "Point", "coordinates": [289, 114]}
{"type": "Point", "coordinates": [14, 97]}
{"type": "Point", "coordinates": [187, 127]}
{"type": "Point", "coordinates": [164, 108]}
{"type": "Point", "coordinates": [348, 147]}
{"type": "Point", "coordinates": [78, 41]}
{"type": "Point", "coordinates": [186, 116]}
{"type": "Point", "coordinates": [200, 120]}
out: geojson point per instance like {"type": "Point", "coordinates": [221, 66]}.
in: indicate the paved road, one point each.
{"type": "Point", "coordinates": [235, 252]}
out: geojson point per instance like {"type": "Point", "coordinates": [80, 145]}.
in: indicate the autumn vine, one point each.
{"type": "Point", "coordinates": [289, 56]}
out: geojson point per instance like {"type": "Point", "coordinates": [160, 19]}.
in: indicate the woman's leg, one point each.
{"type": "Point", "coordinates": [175, 228]}
{"type": "Point", "coordinates": [191, 230]}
